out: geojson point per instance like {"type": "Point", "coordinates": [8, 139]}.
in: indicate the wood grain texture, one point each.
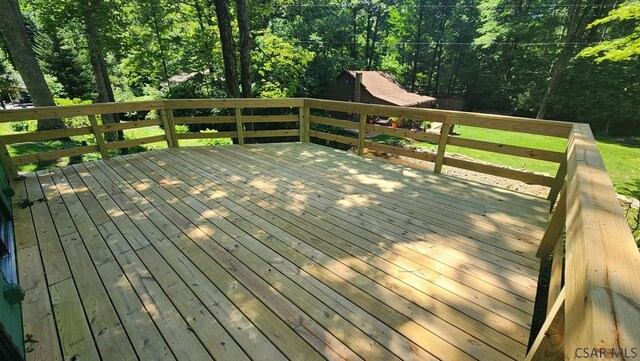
{"type": "Point", "coordinates": [555, 228]}
{"type": "Point", "coordinates": [442, 146]}
{"type": "Point", "coordinates": [137, 141]}
{"type": "Point", "coordinates": [77, 110]}
{"type": "Point", "coordinates": [602, 261]}
{"type": "Point", "coordinates": [233, 103]}
{"type": "Point", "coordinates": [54, 154]}
{"type": "Point", "coordinates": [111, 127]}
{"type": "Point", "coordinates": [525, 152]}
{"type": "Point", "coordinates": [549, 345]}
{"type": "Point", "coordinates": [45, 135]}
{"type": "Point", "coordinates": [216, 119]}
{"type": "Point", "coordinates": [333, 137]}
{"type": "Point", "coordinates": [527, 177]}
{"type": "Point", "coordinates": [403, 133]}
{"type": "Point", "coordinates": [75, 335]}
{"type": "Point", "coordinates": [99, 136]}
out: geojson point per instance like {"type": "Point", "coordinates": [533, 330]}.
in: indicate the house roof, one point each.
{"type": "Point", "coordinates": [383, 86]}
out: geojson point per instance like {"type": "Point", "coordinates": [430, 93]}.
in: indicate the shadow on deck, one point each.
{"type": "Point", "coordinates": [270, 252]}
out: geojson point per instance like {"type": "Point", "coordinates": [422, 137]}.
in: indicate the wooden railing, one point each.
{"type": "Point", "coordinates": [594, 290]}
{"type": "Point", "coordinates": [449, 119]}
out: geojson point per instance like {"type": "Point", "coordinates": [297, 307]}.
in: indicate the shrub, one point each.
{"type": "Point", "coordinates": [182, 128]}
{"type": "Point", "coordinates": [21, 126]}
{"type": "Point", "coordinates": [216, 141]}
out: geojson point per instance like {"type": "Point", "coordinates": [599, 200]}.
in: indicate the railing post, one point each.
{"type": "Point", "coordinates": [362, 129]}
{"type": "Point", "coordinates": [303, 121]}
{"type": "Point", "coordinates": [558, 182]}
{"type": "Point", "coordinates": [240, 128]}
{"type": "Point", "coordinates": [6, 159]}
{"type": "Point", "coordinates": [442, 144]}
{"type": "Point", "coordinates": [555, 279]}
{"type": "Point", "coordinates": [169, 127]}
{"type": "Point", "coordinates": [307, 124]}
{"type": "Point", "coordinates": [99, 136]}
{"type": "Point", "coordinates": [549, 343]}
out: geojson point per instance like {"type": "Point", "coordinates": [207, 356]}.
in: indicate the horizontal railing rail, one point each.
{"type": "Point", "coordinates": [443, 139]}
{"type": "Point", "coordinates": [178, 112]}
{"type": "Point", "coordinates": [594, 289]}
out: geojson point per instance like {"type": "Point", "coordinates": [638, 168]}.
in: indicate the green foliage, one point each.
{"type": "Point", "coordinates": [626, 20]}
{"type": "Point", "coordinates": [74, 122]}
{"type": "Point", "coordinates": [182, 128]}
{"type": "Point", "coordinates": [279, 64]}
{"type": "Point", "coordinates": [22, 126]}
{"type": "Point", "coordinates": [216, 141]}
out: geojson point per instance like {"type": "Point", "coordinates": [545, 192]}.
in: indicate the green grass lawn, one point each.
{"type": "Point", "coordinates": [622, 161]}
{"type": "Point", "coordinates": [36, 147]}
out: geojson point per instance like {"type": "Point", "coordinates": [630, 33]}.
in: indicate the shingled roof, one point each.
{"type": "Point", "coordinates": [383, 86]}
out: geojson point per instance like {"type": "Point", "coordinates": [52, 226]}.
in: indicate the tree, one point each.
{"type": "Point", "coordinates": [61, 61]}
{"type": "Point", "coordinates": [93, 12]}
{"type": "Point", "coordinates": [228, 48]}
{"type": "Point", "coordinates": [245, 47]}
{"type": "Point", "coordinates": [24, 60]}
{"type": "Point", "coordinates": [280, 65]}
{"type": "Point", "coordinates": [579, 14]}
{"type": "Point", "coordinates": [627, 45]}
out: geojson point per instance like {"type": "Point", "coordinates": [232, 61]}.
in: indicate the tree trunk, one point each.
{"type": "Point", "coordinates": [245, 57]}
{"type": "Point", "coordinates": [99, 67]}
{"type": "Point", "coordinates": [158, 34]}
{"type": "Point", "coordinates": [418, 47]}
{"type": "Point", "coordinates": [576, 23]}
{"type": "Point", "coordinates": [354, 30]}
{"type": "Point", "coordinates": [208, 48]}
{"type": "Point", "coordinates": [245, 47]}
{"type": "Point", "coordinates": [24, 60]}
{"type": "Point", "coordinates": [374, 38]}
{"type": "Point", "coordinates": [368, 32]}
{"type": "Point", "coordinates": [228, 49]}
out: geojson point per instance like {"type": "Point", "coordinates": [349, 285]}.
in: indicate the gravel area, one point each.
{"type": "Point", "coordinates": [499, 182]}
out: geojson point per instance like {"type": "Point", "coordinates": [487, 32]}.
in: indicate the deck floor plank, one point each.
{"type": "Point", "coordinates": [410, 193]}
{"type": "Point", "coordinates": [508, 298]}
{"type": "Point", "coordinates": [268, 252]}
{"type": "Point", "coordinates": [480, 329]}
{"type": "Point", "coordinates": [38, 321]}
{"type": "Point", "coordinates": [386, 213]}
{"type": "Point", "coordinates": [440, 216]}
{"type": "Point", "coordinates": [200, 321]}
{"type": "Point", "coordinates": [317, 198]}
{"type": "Point", "coordinates": [121, 236]}
{"type": "Point", "coordinates": [142, 333]}
{"type": "Point", "coordinates": [276, 302]}
{"type": "Point", "coordinates": [295, 349]}
{"type": "Point", "coordinates": [289, 288]}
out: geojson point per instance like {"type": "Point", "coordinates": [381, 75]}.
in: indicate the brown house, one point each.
{"type": "Point", "coordinates": [376, 87]}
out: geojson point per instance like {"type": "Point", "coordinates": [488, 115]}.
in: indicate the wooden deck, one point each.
{"type": "Point", "coordinates": [270, 252]}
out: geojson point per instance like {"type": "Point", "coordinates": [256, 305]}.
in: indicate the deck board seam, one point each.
{"type": "Point", "coordinates": [110, 167]}
{"type": "Point", "coordinates": [362, 187]}
{"type": "Point", "coordinates": [363, 240]}
{"type": "Point", "coordinates": [389, 212]}
{"type": "Point", "coordinates": [457, 234]}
